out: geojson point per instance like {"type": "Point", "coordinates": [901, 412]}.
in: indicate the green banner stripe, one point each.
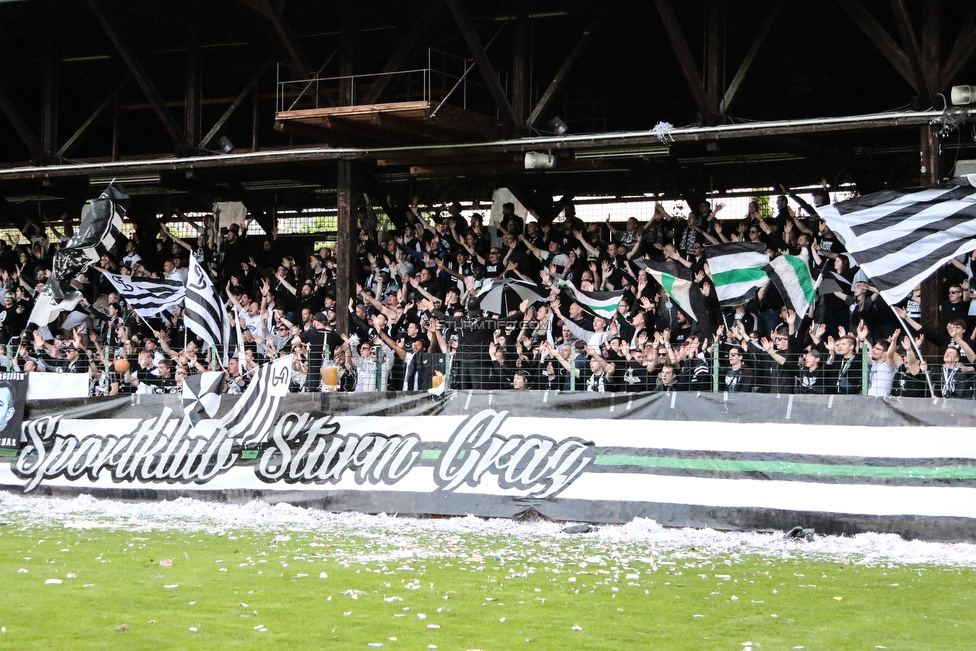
{"type": "Point", "coordinates": [786, 467]}
{"type": "Point", "coordinates": [750, 274]}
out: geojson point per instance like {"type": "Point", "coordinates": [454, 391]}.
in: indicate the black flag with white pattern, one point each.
{"type": "Point", "coordinates": [899, 237]}
{"type": "Point", "coordinates": [204, 311]}
{"type": "Point", "coordinates": [201, 395]}
{"type": "Point", "coordinates": [148, 296]}
{"type": "Point", "coordinates": [254, 414]}
{"type": "Point", "coordinates": [100, 229]}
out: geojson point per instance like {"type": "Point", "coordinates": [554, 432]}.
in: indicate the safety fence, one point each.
{"type": "Point", "coordinates": [730, 370]}
{"type": "Point", "coordinates": [562, 369]}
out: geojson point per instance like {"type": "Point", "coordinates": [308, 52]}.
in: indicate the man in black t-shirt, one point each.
{"type": "Point", "coordinates": [315, 340]}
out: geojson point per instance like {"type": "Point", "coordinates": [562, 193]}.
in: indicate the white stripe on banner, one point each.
{"type": "Point", "coordinates": [850, 441]}
{"type": "Point", "coordinates": [859, 499]}
{"type": "Point", "coordinates": [815, 440]}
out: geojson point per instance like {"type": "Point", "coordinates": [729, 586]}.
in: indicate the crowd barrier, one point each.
{"type": "Point", "coordinates": [838, 464]}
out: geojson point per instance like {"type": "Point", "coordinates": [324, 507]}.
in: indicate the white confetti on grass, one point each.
{"type": "Point", "coordinates": [412, 535]}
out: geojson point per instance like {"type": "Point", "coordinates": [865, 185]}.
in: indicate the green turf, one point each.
{"type": "Point", "coordinates": [627, 596]}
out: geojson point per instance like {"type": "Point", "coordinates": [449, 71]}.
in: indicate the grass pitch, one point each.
{"type": "Point", "coordinates": [77, 587]}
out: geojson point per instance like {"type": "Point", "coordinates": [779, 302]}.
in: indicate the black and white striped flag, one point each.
{"type": "Point", "coordinates": [148, 296]}
{"type": "Point", "coordinates": [254, 414]}
{"type": "Point", "coordinates": [204, 312]}
{"type": "Point", "coordinates": [98, 233]}
{"type": "Point", "coordinates": [900, 237]}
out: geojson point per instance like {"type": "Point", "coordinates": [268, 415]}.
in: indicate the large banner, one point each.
{"type": "Point", "coordinates": [577, 457]}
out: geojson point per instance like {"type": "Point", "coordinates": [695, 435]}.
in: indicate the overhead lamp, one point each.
{"type": "Point", "coordinates": [226, 145]}
{"type": "Point", "coordinates": [131, 179]}
{"type": "Point", "coordinates": [963, 95]}
{"type": "Point", "coordinates": [634, 151]}
{"type": "Point", "coordinates": [557, 126]}
{"type": "Point", "coordinates": [536, 160]}
{"type": "Point", "coordinates": [965, 167]}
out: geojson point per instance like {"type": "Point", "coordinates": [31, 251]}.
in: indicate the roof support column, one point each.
{"type": "Point", "coordinates": [345, 247]}
{"type": "Point", "coordinates": [714, 51]}
{"type": "Point", "coordinates": [49, 115]}
{"type": "Point", "coordinates": [933, 287]}
{"type": "Point", "coordinates": [193, 94]}
{"type": "Point", "coordinates": [520, 85]}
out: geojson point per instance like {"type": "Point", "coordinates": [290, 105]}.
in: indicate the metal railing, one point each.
{"type": "Point", "coordinates": [445, 80]}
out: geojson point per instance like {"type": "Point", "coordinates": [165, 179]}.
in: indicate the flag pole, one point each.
{"type": "Point", "coordinates": [915, 348]}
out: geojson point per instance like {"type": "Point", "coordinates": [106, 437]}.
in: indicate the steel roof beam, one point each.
{"type": "Point", "coordinates": [138, 72]}
{"type": "Point", "coordinates": [877, 35]}
{"type": "Point", "coordinates": [470, 35]}
{"type": "Point", "coordinates": [740, 74]}
{"type": "Point", "coordinates": [21, 127]}
{"type": "Point", "coordinates": [682, 51]}
{"type": "Point", "coordinates": [557, 82]}
{"type": "Point", "coordinates": [420, 28]}
{"type": "Point", "coordinates": [911, 49]}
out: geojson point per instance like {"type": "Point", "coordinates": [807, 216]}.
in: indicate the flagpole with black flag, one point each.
{"type": "Point", "coordinates": [899, 237]}
{"type": "Point", "coordinates": [915, 348]}
{"type": "Point", "coordinates": [203, 310]}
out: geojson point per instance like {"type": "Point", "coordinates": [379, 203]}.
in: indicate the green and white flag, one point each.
{"type": "Point", "coordinates": [602, 304]}
{"type": "Point", "coordinates": [678, 289]}
{"type": "Point", "coordinates": [791, 276]}
{"type": "Point", "coordinates": [737, 270]}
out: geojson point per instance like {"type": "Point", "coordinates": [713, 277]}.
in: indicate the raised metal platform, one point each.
{"type": "Point", "coordinates": [399, 123]}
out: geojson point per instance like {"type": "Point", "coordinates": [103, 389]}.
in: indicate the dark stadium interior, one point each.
{"type": "Point", "coordinates": [99, 81]}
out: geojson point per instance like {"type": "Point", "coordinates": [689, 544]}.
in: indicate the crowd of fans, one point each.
{"type": "Point", "coordinates": [417, 315]}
